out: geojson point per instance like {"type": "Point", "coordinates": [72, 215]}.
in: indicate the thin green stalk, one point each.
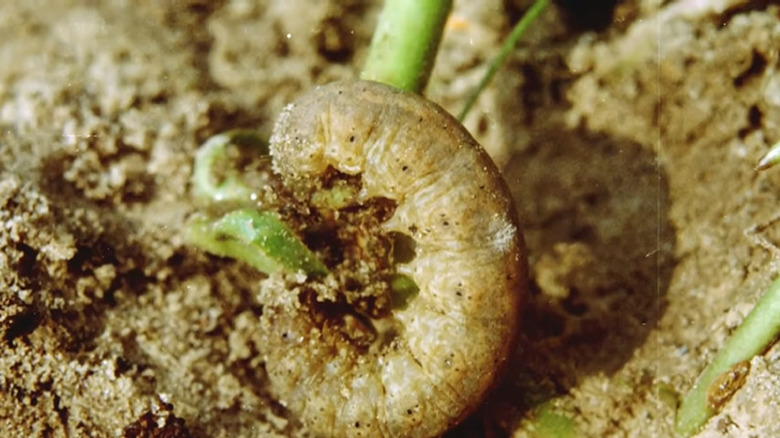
{"type": "Point", "coordinates": [405, 42]}
{"type": "Point", "coordinates": [755, 333]}
{"type": "Point", "coordinates": [509, 45]}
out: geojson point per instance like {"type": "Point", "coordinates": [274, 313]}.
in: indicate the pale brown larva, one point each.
{"type": "Point", "coordinates": [436, 357]}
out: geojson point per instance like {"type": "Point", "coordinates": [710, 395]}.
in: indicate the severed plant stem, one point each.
{"type": "Point", "coordinates": [755, 333]}
{"type": "Point", "coordinates": [258, 238]}
{"type": "Point", "coordinates": [403, 49]}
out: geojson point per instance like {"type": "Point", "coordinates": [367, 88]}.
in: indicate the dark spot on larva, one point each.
{"type": "Point", "coordinates": [284, 335]}
{"type": "Point", "coordinates": [351, 138]}
{"type": "Point", "coordinates": [445, 223]}
{"type": "Point", "coordinates": [357, 424]}
{"type": "Point", "coordinates": [408, 412]}
{"type": "Point", "coordinates": [482, 125]}
{"type": "Point", "coordinates": [404, 168]}
{"type": "Point", "coordinates": [458, 293]}
{"type": "Point", "coordinates": [413, 228]}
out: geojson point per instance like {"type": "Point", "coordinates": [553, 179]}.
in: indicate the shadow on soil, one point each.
{"type": "Point", "coordinates": [594, 215]}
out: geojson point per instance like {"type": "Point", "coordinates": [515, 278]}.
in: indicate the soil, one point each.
{"type": "Point", "coordinates": [628, 134]}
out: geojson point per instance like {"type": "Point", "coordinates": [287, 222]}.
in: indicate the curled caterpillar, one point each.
{"type": "Point", "coordinates": [348, 358]}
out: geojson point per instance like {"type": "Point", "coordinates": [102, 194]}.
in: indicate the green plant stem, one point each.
{"type": "Point", "coordinates": [529, 17]}
{"type": "Point", "coordinates": [755, 333]}
{"type": "Point", "coordinates": [405, 42]}
{"type": "Point", "coordinates": [259, 238]}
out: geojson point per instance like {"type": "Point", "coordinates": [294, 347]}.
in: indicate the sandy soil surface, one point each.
{"type": "Point", "coordinates": [628, 137]}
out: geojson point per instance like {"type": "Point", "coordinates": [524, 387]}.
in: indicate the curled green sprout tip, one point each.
{"type": "Point", "coordinates": [756, 332]}
{"type": "Point", "coordinates": [258, 238]}
{"type": "Point", "coordinates": [771, 158]}
{"type": "Point", "coordinates": [214, 178]}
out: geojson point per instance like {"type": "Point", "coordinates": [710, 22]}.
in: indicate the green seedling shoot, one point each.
{"type": "Point", "coordinates": [756, 332]}
{"type": "Point", "coordinates": [259, 238]}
